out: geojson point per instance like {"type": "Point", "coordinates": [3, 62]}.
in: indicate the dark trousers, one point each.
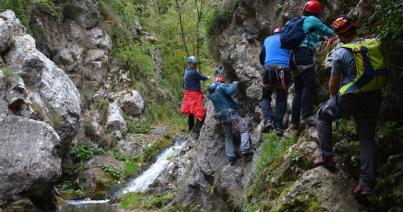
{"type": "Point", "coordinates": [364, 108]}
{"type": "Point", "coordinates": [193, 123]}
{"type": "Point", "coordinates": [304, 83]}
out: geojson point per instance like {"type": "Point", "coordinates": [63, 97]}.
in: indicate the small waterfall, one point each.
{"type": "Point", "coordinates": [142, 182]}
{"type": "Point", "coordinates": [138, 184]}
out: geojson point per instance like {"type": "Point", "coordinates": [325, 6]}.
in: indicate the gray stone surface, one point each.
{"type": "Point", "coordinates": [30, 159]}
{"type": "Point", "coordinates": [131, 102]}
{"type": "Point", "coordinates": [115, 119]}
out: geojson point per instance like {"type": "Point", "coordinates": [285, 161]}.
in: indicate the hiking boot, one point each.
{"type": "Point", "coordinates": [247, 154]}
{"type": "Point", "coordinates": [232, 160]}
{"type": "Point", "coordinates": [309, 121]}
{"type": "Point", "coordinates": [279, 132]}
{"type": "Point", "coordinates": [326, 161]}
{"type": "Point", "coordinates": [362, 190]}
{"type": "Point", "coordinates": [267, 127]}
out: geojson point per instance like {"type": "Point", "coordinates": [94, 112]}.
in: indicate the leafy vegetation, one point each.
{"type": "Point", "coordinates": [136, 126]}
{"type": "Point", "coordinates": [144, 201]}
{"type": "Point", "coordinates": [113, 173]}
{"type": "Point", "coordinates": [83, 153]}
{"type": "Point", "coordinates": [101, 104]}
{"type": "Point", "coordinates": [388, 21]}
{"type": "Point", "coordinates": [71, 190]}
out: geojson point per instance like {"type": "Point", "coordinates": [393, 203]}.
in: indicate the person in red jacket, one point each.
{"type": "Point", "coordinates": [192, 104]}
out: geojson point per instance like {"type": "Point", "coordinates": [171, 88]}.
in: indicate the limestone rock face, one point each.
{"type": "Point", "coordinates": [53, 86]}
{"type": "Point", "coordinates": [85, 13]}
{"type": "Point", "coordinates": [39, 117]}
{"type": "Point", "coordinates": [132, 103]}
{"type": "Point", "coordinates": [332, 191]}
{"type": "Point", "coordinates": [115, 117]}
{"type": "Point", "coordinates": [30, 160]}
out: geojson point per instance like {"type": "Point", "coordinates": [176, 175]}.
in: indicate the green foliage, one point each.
{"type": "Point", "coordinates": [71, 190]}
{"type": "Point", "coordinates": [23, 8]}
{"type": "Point", "coordinates": [101, 104]}
{"type": "Point", "coordinates": [388, 21]}
{"type": "Point", "coordinates": [136, 58]}
{"type": "Point", "coordinates": [273, 147]}
{"type": "Point", "coordinates": [89, 130]}
{"type": "Point", "coordinates": [308, 203]}
{"type": "Point", "coordinates": [136, 126]}
{"type": "Point", "coordinates": [114, 173]}
{"type": "Point", "coordinates": [83, 153]}
{"type": "Point", "coordinates": [143, 201]}
{"type": "Point", "coordinates": [8, 73]}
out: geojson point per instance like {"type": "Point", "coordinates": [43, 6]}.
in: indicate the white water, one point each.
{"type": "Point", "coordinates": [138, 184]}
{"type": "Point", "coordinates": [86, 202]}
{"type": "Point", "coordinates": [142, 182]}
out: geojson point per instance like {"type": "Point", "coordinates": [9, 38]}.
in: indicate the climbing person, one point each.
{"type": "Point", "coordinates": [309, 30]}
{"type": "Point", "coordinates": [276, 78]}
{"type": "Point", "coordinates": [192, 104]}
{"type": "Point", "coordinates": [357, 78]}
{"type": "Point", "coordinates": [226, 112]}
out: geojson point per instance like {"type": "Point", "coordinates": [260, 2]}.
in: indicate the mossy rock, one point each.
{"type": "Point", "coordinates": [306, 202]}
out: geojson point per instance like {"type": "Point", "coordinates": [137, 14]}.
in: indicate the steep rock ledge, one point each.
{"type": "Point", "coordinates": [40, 115]}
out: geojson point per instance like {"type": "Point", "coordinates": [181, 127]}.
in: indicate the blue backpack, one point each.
{"type": "Point", "coordinates": [292, 34]}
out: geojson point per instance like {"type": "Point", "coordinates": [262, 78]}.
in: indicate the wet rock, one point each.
{"type": "Point", "coordinates": [30, 160]}
{"type": "Point", "coordinates": [132, 103]}
{"type": "Point", "coordinates": [23, 205]}
{"type": "Point", "coordinates": [115, 119]}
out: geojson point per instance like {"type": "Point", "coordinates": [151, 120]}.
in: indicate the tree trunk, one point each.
{"type": "Point", "coordinates": [179, 8]}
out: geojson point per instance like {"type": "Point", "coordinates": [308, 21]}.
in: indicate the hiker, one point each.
{"type": "Point", "coordinates": [192, 104]}
{"type": "Point", "coordinates": [357, 77]}
{"type": "Point", "coordinates": [302, 64]}
{"type": "Point", "coordinates": [276, 78]}
{"type": "Point", "coordinates": [226, 112]}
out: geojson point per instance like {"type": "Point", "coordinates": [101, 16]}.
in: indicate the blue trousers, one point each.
{"type": "Point", "coordinates": [281, 107]}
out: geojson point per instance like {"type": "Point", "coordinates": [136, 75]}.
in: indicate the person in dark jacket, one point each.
{"type": "Point", "coordinates": [276, 78]}
{"type": "Point", "coordinates": [226, 112]}
{"type": "Point", "coordinates": [303, 68]}
{"type": "Point", "coordinates": [192, 104]}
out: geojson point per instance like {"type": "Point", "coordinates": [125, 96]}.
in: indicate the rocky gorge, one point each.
{"type": "Point", "coordinates": [72, 124]}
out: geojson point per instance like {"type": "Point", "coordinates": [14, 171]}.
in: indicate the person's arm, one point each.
{"type": "Point", "coordinates": [320, 27]}
{"type": "Point", "coordinates": [262, 55]}
{"type": "Point", "coordinates": [334, 83]}
{"type": "Point", "coordinates": [230, 89]}
{"type": "Point", "coordinates": [202, 77]}
{"type": "Point", "coordinates": [335, 76]}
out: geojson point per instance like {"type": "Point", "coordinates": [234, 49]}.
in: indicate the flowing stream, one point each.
{"type": "Point", "coordinates": [138, 184]}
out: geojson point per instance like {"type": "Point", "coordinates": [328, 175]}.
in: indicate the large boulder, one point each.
{"type": "Point", "coordinates": [132, 102]}
{"type": "Point", "coordinates": [59, 94]}
{"type": "Point", "coordinates": [30, 160]}
{"type": "Point", "coordinates": [115, 120]}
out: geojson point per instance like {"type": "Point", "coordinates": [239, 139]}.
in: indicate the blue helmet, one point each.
{"type": "Point", "coordinates": [192, 59]}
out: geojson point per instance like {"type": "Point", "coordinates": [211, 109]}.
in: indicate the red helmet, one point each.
{"type": "Point", "coordinates": [219, 79]}
{"type": "Point", "coordinates": [313, 6]}
{"type": "Point", "coordinates": [343, 23]}
{"type": "Point", "coordinates": [276, 30]}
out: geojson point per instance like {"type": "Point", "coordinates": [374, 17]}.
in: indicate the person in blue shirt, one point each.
{"type": "Point", "coordinates": [226, 112]}
{"type": "Point", "coordinates": [302, 65]}
{"type": "Point", "coordinates": [192, 104]}
{"type": "Point", "coordinates": [276, 77]}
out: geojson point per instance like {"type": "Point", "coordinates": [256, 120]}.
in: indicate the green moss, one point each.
{"type": "Point", "coordinates": [101, 104]}
{"type": "Point", "coordinates": [55, 118]}
{"type": "Point", "coordinates": [144, 201]}
{"type": "Point", "coordinates": [150, 151]}
{"type": "Point", "coordinates": [308, 203]}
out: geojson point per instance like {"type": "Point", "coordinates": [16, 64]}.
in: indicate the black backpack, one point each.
{"type": "Point", "coordinates": [292, 34]}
